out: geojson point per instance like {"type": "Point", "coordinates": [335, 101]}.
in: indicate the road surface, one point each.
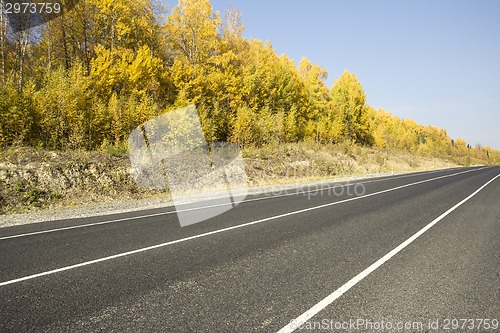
{"type": "Point", "coordinates": [421, 250]}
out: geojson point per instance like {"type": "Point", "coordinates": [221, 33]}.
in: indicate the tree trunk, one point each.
{"type": "Point", "coordinates": [3, 39]}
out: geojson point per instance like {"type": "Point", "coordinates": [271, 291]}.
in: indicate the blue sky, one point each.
{"type": "Point", "coordinates": [437, 62]}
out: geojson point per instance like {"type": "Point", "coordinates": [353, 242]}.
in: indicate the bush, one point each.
{"type": "Point", "coordinates": [245, 129]}
{"type": "Point", "coordinates": [16, 117]}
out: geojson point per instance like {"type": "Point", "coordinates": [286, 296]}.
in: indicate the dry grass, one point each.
{"type": "Point", "coordinates": [308, 161]}
{"type": "Point", "coordinates": [32, 179]}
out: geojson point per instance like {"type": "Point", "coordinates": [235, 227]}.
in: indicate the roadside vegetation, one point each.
{"type": "Point", "coordinates": [34, 179]}
{"type": "Point", "coordinates": [76, 87]}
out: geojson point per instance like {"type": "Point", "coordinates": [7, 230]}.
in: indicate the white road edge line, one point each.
{"type": "Point", "coordinates": [303, 318]}
{"type": "Point", "coordinates": [210, 206]}
{"type": "Point", "coordinates": [123, 254]}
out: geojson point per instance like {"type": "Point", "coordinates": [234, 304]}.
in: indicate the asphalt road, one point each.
{"type": "Point", "coordinates": [421, 250]}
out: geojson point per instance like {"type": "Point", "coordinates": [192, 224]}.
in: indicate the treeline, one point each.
{"type": "Point", "coordinates": [87, 78]}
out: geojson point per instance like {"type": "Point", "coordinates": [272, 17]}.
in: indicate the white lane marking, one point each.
{"type": "Point", "coordinates": [303, 318]}
{"type": "Point", "coordinates": [85, 225]}
{"type": "Point", "coordinates": [29, 277]}
{"type": "Point", "coordinates": [299, 192]}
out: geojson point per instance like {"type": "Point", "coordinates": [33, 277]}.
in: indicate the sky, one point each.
{"type": "Point", "coordinates": [436, 62]}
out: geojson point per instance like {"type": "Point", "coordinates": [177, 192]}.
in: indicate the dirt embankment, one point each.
{"type": "Point", "coordinates": [32, 179]}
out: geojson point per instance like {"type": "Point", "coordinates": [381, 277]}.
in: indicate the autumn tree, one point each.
{"type": "Point", "coordinates": [191, 31]}
{"type": "Point", "coordinates": [3, 44]}
{"type": "Point", "coordinates": [318, 97]}
{"type": "Point", "coordinates": [231, 33]}
{"type": "Point", "coordinates": [89, 77]}
{"type": "Point", "coordinates": [349, 116]}
{"type": "Point", "coordinates": [16, 117]}
{"type": "Point", "coordinates": [127, 72]}
{"type": "Point", "coordinates": [62, 109]}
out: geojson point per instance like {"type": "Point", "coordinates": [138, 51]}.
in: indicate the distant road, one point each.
{"type": "Point", "coordinates": [404, 250]}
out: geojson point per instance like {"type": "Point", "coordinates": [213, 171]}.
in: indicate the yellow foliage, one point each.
{"type": "Point", "coordinates": [191, 30]}
{"type": "Point", "coordinates": [110, 65]}
{"type": "Point", "coordinates": [245, 129]}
